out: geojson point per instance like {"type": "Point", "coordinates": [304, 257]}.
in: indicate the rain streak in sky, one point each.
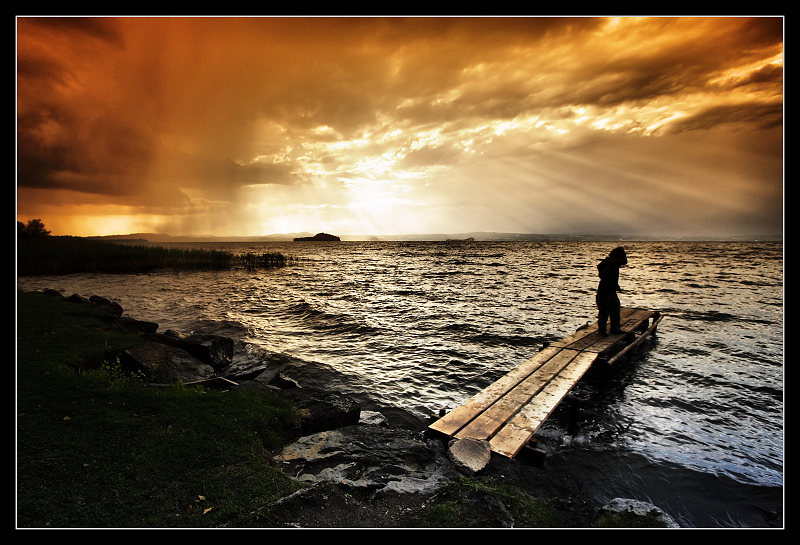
{"type": "Point", "coordinates": [369, 126]}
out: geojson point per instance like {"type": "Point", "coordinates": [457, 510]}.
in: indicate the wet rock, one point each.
{"type": "Point", "coordinates": [214, 350]}
{"type": "Point", "coordinates": [638, 508]}
{"type": "Point", "coordinates": [373, 418]}
{"type": "Point", "coordinates": [111, 308]}
{"type": "Point", "coordinates": [130, 325]}
{"type": "Point", "coordinates": [321, 410]}
{"type": "Point", "coordinates": [282, 381]}
{"type": "Point", "coordinates": [248, 366]}
{"type": "Point", "coordinates": [166, 364]}
{"type": "Point", "coordinates": [382, 460]}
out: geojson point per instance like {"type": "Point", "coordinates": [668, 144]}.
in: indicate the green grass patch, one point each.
{"type": "Point", "coordinates": [468, 503]}
{"type": "Point", "coordinates": [99, 449]}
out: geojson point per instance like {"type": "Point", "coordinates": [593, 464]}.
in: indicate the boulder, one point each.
{"type": "Point", "coordinates": [112, 312]}
{"type": "Point", "coordinates": [214, 350]}
{"type": "Point", "coordinates": [321, 410]}
{"type": "Point", "coordinates": [373, 418]}
{"type": "Point", "coordinates": [638, 508]}
{"type": "Point", "coordinates": [372, 458]}
{"type": "Point", "coordinates": [130, 325]}
{"type": "Point", "coordinates": [282, 381]}
{"type": "Point", "coordinates": [109, 307]}
{"type": "Point", "coordinates": [166, 364]}
{"type": "Point", "coordinates": [75, 298]}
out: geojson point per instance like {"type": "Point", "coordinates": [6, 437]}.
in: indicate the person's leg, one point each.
{"type": "Point", "coordinates": [602, 312]}
{"type": "Point", "coordinates": [614, 313]}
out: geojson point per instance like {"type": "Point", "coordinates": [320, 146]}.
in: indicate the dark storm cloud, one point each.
{"type": "Point", "coordinates": [220, 116]}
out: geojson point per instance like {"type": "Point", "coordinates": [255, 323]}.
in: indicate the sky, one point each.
{"type": "Point", "coordinates": [253, 126]}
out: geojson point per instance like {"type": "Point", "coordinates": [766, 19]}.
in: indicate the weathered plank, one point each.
{"type": "Point", "coordinates": [509, 440]}
{"type": "Point", "coordinates": [486, 424]}
{"type": "Point", "coordinates": [459, 417]}
{"type": "Point", "coordinates": [588, 338]}
{"type": "Point", "coordinates": [650, 331]}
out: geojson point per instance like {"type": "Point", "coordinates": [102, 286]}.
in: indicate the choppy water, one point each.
{"type": "Point", "coordinates": [693, 422]}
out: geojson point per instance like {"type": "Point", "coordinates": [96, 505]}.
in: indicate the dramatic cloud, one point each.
{"type": "Point", "coordinates": [250, 126]}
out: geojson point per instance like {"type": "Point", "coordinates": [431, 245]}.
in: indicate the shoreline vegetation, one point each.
{"type": "Point", "coordinates": [55, 255]}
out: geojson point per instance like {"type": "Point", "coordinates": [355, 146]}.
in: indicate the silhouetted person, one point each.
{"type": "Point", "coordinates": [607, 301]}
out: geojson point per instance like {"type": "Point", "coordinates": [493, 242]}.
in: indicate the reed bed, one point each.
{"type": "Point", "coordinates": [64, 255]}
{"type": "Point", "coordinates": [264, 261]}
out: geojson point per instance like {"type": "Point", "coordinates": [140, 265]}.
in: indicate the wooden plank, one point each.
{"type": "Point", "coordinates": [576, 337]}
{"type": "Point", "coordinates": [490, 420]}
{"type": "Point", "coordinates": [509, 440]}
{"type": "Point", "coordinates": [595, 342]}
{"type": "Point", "coordinates": [630, 320]}
{"type": "Point", "coordinates": [636, 318]}
{"type": "Point", "coordinates": [464, 413]}
{"type": "Point", "coordinates": [588, 336]}
{"type": "Point", "coordinates": [635, 343]}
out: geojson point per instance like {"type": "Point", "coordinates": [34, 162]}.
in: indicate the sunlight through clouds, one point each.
{"type": "Point", "coordinates": [377, 126]}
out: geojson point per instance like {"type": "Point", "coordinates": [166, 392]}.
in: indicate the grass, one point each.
{"type": "Point", "coordinates": [101, 450]}
{"type": "Point", "coordinates": [466, 503]}
{"type": "Point", "coordinates": [64, 255]}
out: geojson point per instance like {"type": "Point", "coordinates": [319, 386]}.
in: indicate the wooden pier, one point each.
{"type": "Point", "coordinates": [508, 412]}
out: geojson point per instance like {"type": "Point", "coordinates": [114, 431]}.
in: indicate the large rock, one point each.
{"type": "Point", "coordinates": [166, 364]}
{"type": "Point", "coordinates": [112, 312]}
{"type": "Point", "coordinates": [109, 307]}
{"type": "Point", "coordinates": [130, 325]}
{"type": "Point", "coordinates": [321, 410]}
{"type": "Point", "coordinates": [214, 350]}
{"type": "Point", "coordinates": [640, 509]}
{"type": "Point", "coordinates": [373, 458]}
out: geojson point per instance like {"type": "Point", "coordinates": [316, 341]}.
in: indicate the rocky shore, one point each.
{"type": "Point", "coordinates": [361, 472]}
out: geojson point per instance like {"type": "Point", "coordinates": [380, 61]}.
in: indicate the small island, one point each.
{"type": "Point", "coordinates": [324, 237]}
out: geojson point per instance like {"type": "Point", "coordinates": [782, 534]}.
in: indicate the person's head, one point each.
{"type": "Point", "coordinates": [618, 256]}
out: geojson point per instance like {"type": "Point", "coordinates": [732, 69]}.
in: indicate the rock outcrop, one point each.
{"type": "Point", "coordinates": [639, 509]}
{"type": "Point", "coordinates": [166, 364]}
{"type": "Point", "coordinates": [372, 458]}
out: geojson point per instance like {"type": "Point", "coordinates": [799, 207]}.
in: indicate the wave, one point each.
{"type": "Point", "coordinates": [422, 326]}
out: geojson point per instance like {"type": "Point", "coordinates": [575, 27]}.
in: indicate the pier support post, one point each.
{"type": "Point", "coordinates": [574, 405]}
{"type": "Point", "coordinates": [531, 454]}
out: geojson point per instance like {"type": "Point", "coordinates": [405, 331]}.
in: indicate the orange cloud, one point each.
{"type": "Point", "coordinates": [206, 125]}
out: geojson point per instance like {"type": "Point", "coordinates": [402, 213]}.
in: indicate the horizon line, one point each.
{"type": "Point", "coordinates": [477, 236]}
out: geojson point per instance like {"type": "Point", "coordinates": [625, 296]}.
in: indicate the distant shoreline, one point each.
{"type": "Point", "coordinates": [433, 237]}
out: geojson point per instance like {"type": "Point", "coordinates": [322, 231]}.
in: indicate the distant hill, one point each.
{"type": "Point", "coordinates": [319, 237]}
